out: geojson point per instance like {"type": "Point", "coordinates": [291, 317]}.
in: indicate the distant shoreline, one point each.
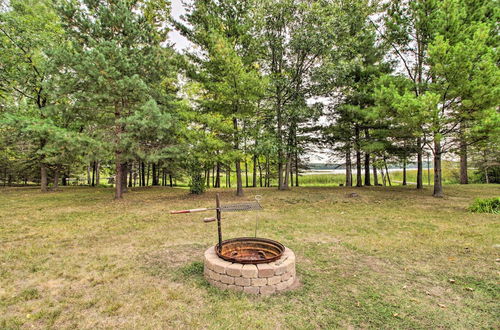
{"type": "Point", "coordinates": [342, 171]}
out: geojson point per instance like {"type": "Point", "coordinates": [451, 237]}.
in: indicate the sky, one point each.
{"type": "Point", "coordinates": [179, 41]}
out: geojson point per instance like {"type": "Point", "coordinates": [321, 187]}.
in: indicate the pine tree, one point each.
{"type": "Point", "coordinates": [28, 32]}
{"type": "Point", "coordinates": [115, 63]}
{"type": "Point", "coordinates": [227, 68]}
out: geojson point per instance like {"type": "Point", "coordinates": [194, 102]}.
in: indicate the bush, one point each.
{"type": "Point", "coordinates": [486, 205]}
{"type": "Point", "coordinates": [197, 184]}
{"type": "Point", "coordinates": [493, 175]}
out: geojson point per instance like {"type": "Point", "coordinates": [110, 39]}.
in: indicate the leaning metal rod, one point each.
{"type": "Point", "coordinates": [257, 199]}
{"type": "Point", "coordinates": [218, 215]}
{"type": "Point", "coordinates": [191, 211]}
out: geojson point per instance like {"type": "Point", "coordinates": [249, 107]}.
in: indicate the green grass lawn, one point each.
{"type": "Point", "coordinates": [391, 258]}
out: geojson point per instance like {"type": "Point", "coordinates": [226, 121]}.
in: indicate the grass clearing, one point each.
{"type": "Point", "coordinates": [75, 258]}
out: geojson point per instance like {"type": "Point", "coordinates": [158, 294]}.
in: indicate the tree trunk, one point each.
{"type": "Point", "coordinates": [93, 173]}
{"type": "Point", "coordinates": [130, 175]}
{"type": "Point", "coordinates": [428, 170]}
{"type": "Point", "coordinates": [296, 166]}
{"type": "Point", "coordinates": [56, 178]}
{"type": "Point", "coordinates": [246, 172]}
{"type": "Point", "coordinates": [155, 177]}
{"type": "Point", "coordinates": [207, 177]}
{"type": "Point", "coordinates": [143, 174]}
{"type": "Point", "coordinates": [43, 177]}
{"type": "Point", "coordinates": [148, 170]}
{"type": "Point", "coordinates": [281, 185]}
{"type": "Point", "coordinates": [89, 175]}
{"type": "Point", "coordinates": [97, 174]}
{"type": "Point", "coordinates": [118, 177]}
{"type": "Point", "coordinates": [420, 184]}
{"type": "Point", "coordinates": [464, 179]}
{"type": "Point", "coordinates": [254, 172]}
{"type": "Point", "coordinates": [387, 172]}
{"type": "Point", "coordinates": [367, 162]}
{"type": "Point", "coordinates": [268, 172]}
{"type": "Point", "coordinates": [213, 176]}
{"type": "Point", "coordinates": [118, 153]}
{"type": "Point", "coordinates": [217, 177]}
{"type": "Point", "coordinates": [239, 180]}
{"type": "Point", "coordinates": [287, 173]}
{"type": "Point", "coordinates": [124, 177]}
{"type": "Point", "coordinates": [438, 180]}
{"type": "Point", "coordinates": [137, 173]}
{"type": "Point", "coordinates": [367, 170]}
{"type": "Point", "coordinates": [375, 176]}
{"type": "Point", "coordinates": [404, 171]}
{"type": "Point", "coordinates": [359, 179]}
{"type": "Point", "coordinates": [348, 168]}
{"type": "Point", "coordinates": [260, 174]}
{"type": "Point", "coordinates": [266, 178]}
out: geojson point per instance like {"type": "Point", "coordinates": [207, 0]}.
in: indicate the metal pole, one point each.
{"type": "Point", "coordinates": [257, 199]}
{"type": "Point", "coordinates": [218, 215]}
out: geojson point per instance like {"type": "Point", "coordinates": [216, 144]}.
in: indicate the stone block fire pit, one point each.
{"type": "Point", "coordinates": [261, 278]}
{"type": "Point", "coordinates": [249, 264]}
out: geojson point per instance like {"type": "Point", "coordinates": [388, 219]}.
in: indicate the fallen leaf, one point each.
{"type": "Point", "coordinates": [451, 280]}
{"type": "Point", "coordinates": [442, 306]}
{"type": "Point", "coordinates": [469, 289]}
{"type": "Point", "coordinates": [395, 314]}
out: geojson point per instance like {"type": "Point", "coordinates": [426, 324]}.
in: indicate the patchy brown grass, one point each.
{"type": "Point", "coordinates": [385, 259]}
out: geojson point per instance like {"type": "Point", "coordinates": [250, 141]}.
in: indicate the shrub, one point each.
{"type": "Point", "coordinates": [493, 174]}
{"type": "Point", "coordinates": [196, 184]}
{"type": "Point", "coordinates": [486, 205]}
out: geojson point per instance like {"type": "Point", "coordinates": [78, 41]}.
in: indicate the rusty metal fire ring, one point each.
{"type": "Point", "coordinates": [250, 250]}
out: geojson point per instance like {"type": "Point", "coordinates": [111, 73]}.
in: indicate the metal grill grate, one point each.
{"type": "Point", "coordinates": [247, 206]}
{"type": "Point", "coordinates": [250, 206]}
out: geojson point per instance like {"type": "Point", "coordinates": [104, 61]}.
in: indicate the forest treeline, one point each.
{"type": "Point", "coordinates": [97, 86]}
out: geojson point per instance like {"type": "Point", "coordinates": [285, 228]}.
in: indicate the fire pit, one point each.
{"type": "Point", "coordinates": [254, 278]}
{"type": "Point", "coordinates": [249, 264]}
{"type": "Point", "coordinates": [250, 250]}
